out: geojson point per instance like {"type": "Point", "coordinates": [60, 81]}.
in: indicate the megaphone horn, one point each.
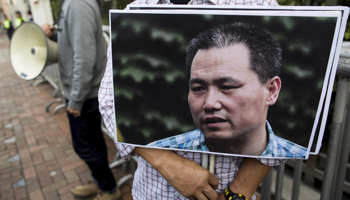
{"type": "Point", "coordinates": [31, 51]}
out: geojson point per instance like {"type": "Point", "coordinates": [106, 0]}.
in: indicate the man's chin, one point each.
{"type": "Point", "coordinates": [218, 138]}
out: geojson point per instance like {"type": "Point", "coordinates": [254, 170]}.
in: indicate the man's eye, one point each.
{"type": "Point", "coordinates": [197, 89]}
{"type": "Point", "coordinates": [228, 87]}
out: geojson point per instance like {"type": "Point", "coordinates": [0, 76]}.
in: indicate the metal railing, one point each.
{"type": "Point", "coordinates": [336, 159]}
{"type": "Point", "coordinates": [51, 74]}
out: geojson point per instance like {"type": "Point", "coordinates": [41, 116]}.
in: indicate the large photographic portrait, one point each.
{"type": "Point", "coordinates": [257, 93]}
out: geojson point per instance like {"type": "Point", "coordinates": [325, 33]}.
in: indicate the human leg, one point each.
{"type": "Point", "coordinates": [89, 144]}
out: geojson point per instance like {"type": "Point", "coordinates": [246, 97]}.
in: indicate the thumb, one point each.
{"type": "Point", "coordinates": [213, 181]}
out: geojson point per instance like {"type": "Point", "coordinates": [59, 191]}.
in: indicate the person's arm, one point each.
{"type": "Point", "coordinates": [82, 28]}
{"type": "Point", "coordinates": [248, 178]}
{"type": "Point", "coordinates": [186, 176]}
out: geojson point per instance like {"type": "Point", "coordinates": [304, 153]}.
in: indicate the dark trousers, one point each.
{"type": "Point", "coordinates": [89, 144]}
{"type": "Point", "coordinates": [9, 34]}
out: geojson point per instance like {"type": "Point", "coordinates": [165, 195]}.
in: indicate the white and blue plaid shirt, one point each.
{"type": "Point", "coordinates": [194, 140]}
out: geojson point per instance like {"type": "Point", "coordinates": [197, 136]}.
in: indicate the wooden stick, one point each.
{"type": "Point", "coordinates": [212, 163]}
{"type": "Point", "coordinates": [205, 160]}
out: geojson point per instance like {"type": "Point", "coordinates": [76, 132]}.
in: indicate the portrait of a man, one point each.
{"type": "Point", "coordinates": [249, 83]}
{"type": "Point", "coordinates": [234, 79]}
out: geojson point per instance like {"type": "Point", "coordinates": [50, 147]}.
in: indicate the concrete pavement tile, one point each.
{"type": "Point", "coordinates": [59, 176]}
{"type": "Point", "coordinates": [67, 196]}
{"type": "Point", "coordinates": [72, 166]}
{"type": "Point", "coordinates": [82, 168]}
{"type": "Point", "coordinates": [7, 194]}
{"type": "Point", "coordinates": [14, 171]}
{"type": "Point", "coordinates": [54, 186]}
{"type": "Point", "coordinates": [45, 182]}
{"type": "Point", "coordinates": [37, 158]}
{"type": "Point", "coordinates": [15, 121]}
{"type": "Point", "coordinates": [9, 150]}
{"type": "Point", "coordinates": [48, 156]}
{"type": "Point", "coordinates": [69, 151]}
{"type": "Point", "coordinates": [57, 165]}
{"type": "Point", "coordinates": [16, 163]}
{"type": "Point", "coordinates": [4, 176]}
{"type": "Point", "coordinates": [73, 158]}
{"type": "Point", "coordinates": [29, 173]}
{"type": "Point", "coordinates": [36, 195]}
{"type": "Point", "coordinates": [52, 195]}
{"type": "Point", "coordinates": [20, 193]}
{"type": "Point", "coordinates": [30, 139]}
{"type": "Point", "coordinates": [33, 184]}
{"type": "Point", "coordinates": [85, 176]}
{"type": "Point", "coordinates": [24, 153]}
{"type": "Point", "coordinates": [71, 176]}
{"type": "Point", "coordinates": [37, 148]}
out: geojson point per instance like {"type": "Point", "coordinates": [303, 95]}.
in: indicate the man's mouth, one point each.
{"type": "Point", "coordinates": [213, 120]}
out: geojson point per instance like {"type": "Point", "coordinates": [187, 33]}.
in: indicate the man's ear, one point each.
{"type": "Point", "coordinates": [274, 86]}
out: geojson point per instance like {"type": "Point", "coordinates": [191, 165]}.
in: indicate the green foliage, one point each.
{"type": "Point", "coordinates": [318, 3]}
{"type": "Point", "coordinates": [301, 2]}
{"type": "Point", "coordinates": [55, 6]}
{"type": "Point", "coordinates": [292, 2]}
{"type": "Point", "coordinates": [112, 4]}
{"type": "Point", "coordinates": [347, 33]}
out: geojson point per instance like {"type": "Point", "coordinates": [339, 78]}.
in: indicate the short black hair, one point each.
{"type": "Point", "coordinates": [264, 49]}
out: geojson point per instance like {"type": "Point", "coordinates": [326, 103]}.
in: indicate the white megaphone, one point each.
{"type": "Point", "coordinates": [31, 51]}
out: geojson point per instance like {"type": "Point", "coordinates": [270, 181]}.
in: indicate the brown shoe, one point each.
{"type": "Point", "coordinates": [109, 196]}
{"type": "Point", "coordinates": [85, 191]}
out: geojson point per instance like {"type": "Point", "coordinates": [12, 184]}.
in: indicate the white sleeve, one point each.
{"type": "Point", "coordinates": [106, 106]}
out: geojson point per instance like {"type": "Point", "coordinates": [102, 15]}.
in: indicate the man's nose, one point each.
{"type": "Point", "coordinates": [212, 101]}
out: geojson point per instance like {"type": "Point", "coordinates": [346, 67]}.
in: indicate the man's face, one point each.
{"type": "Point", "coordinates": [226, 98]}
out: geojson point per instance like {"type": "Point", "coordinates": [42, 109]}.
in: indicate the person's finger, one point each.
{"type": "Point", "coordinates": [213, 181]}
{"type": "Point", "coordinates": [210, 193]}
{"type": "Point", "coordinates": [201, 196]}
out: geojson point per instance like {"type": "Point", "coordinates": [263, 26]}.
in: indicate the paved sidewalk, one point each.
{"type": "Point", "coordinates": [37, 160]}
